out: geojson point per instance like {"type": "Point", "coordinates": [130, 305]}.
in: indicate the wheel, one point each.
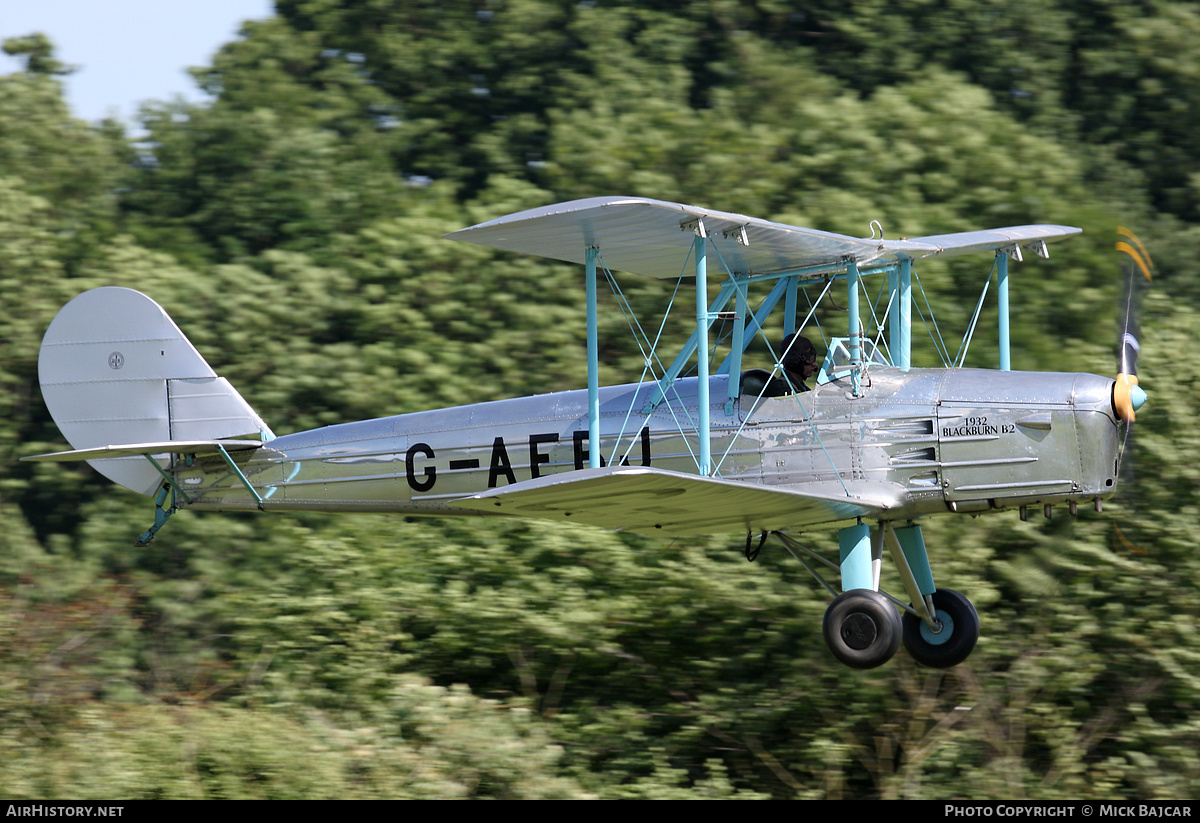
{"type": "Point", "coordinates": [951, 645]}
{"type": "Point", "coordinates": [862, 628]}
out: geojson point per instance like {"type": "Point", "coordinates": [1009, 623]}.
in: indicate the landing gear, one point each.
{"type": "Point", "coordinates": [953, 642]}
{"type": "Point", "coordinates": [863, 629]}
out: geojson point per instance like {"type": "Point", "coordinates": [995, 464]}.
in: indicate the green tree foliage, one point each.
{"type": "Point", "coordinates": [292, 228]}
{"type": "Point", "coordinates": [37, 53]}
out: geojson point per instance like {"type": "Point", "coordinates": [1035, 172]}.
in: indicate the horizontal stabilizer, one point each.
{"type": "Point", "coordinates": [653, 501]}
{"type": "Point", "coordinates": [198, 447]}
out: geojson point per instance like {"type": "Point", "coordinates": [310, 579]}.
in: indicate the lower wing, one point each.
{"type": "Point", "coordinates": [653, 501]}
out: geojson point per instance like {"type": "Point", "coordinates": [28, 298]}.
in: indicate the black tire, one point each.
{"type": "Point", "coordinates": [956, 641]}
{"type": "Point", "coordinates": [862, 628]}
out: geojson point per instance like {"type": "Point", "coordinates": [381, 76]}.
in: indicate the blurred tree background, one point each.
{"type": "Point", "coordinates": [292, 229]}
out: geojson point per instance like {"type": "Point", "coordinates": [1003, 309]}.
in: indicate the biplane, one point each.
{"type": "Point", "coordinates": [696, 446]}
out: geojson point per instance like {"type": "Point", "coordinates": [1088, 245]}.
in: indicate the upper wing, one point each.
{"type": "Point", "coordinates": [1029, 237]}
{"type": "Point", "coordinates": [652, 237]}
{"type": "Point", "coordinates": [653, 501]}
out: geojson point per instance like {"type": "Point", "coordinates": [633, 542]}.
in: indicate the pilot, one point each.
{"type": "Point", "coordinates": [799, 361]}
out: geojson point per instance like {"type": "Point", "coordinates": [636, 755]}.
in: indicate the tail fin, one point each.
{"type": "Point", "coordinates": [115, 370]}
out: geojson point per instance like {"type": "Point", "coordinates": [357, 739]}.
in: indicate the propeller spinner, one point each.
{"type": "Point", "coordinates": [1128, 396]}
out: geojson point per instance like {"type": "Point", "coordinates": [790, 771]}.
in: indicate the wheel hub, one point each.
{"type": "Point", "coordinates": [859, 631]}
{"type": "Point", "coordinates": [943, 632]}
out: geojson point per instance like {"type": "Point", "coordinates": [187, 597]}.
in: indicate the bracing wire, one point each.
{"type": "Point", "coordinates": [961, 357]}
{"type": "Point", "coordinates": [935, 333]}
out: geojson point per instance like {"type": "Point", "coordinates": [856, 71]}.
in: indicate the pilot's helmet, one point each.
{"type": "Point", "coordinates": [797, 354]}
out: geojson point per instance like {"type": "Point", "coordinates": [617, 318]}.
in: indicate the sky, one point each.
{"type": "Point", "coordinates": [128, 51]}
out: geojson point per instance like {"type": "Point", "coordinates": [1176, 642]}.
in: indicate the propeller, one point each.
{"type": "Point", "coordinates": [1128, 396]}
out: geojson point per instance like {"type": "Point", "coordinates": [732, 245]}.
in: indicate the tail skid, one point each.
{"type": "Point", "coordinates": [118, 377]}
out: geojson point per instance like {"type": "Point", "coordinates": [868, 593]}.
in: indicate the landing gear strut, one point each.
{"type": "Point", "coordinates": [862, 628]}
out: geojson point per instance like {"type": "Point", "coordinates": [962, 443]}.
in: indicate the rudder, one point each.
{"type": "Point", "coordinates": [115, 369]}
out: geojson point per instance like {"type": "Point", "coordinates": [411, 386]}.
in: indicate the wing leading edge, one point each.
{"type": "Point", "coordinates": [653, 501]}
{"type": "Point", "coordinates": [652, 237]}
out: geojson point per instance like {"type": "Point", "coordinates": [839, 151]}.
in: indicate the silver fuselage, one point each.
{"type": "Point", "coordinates": [954, 439]}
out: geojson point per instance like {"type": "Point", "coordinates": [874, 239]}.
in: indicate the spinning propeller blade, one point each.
{"type": "Point", "coordinates": [1128, 397]}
